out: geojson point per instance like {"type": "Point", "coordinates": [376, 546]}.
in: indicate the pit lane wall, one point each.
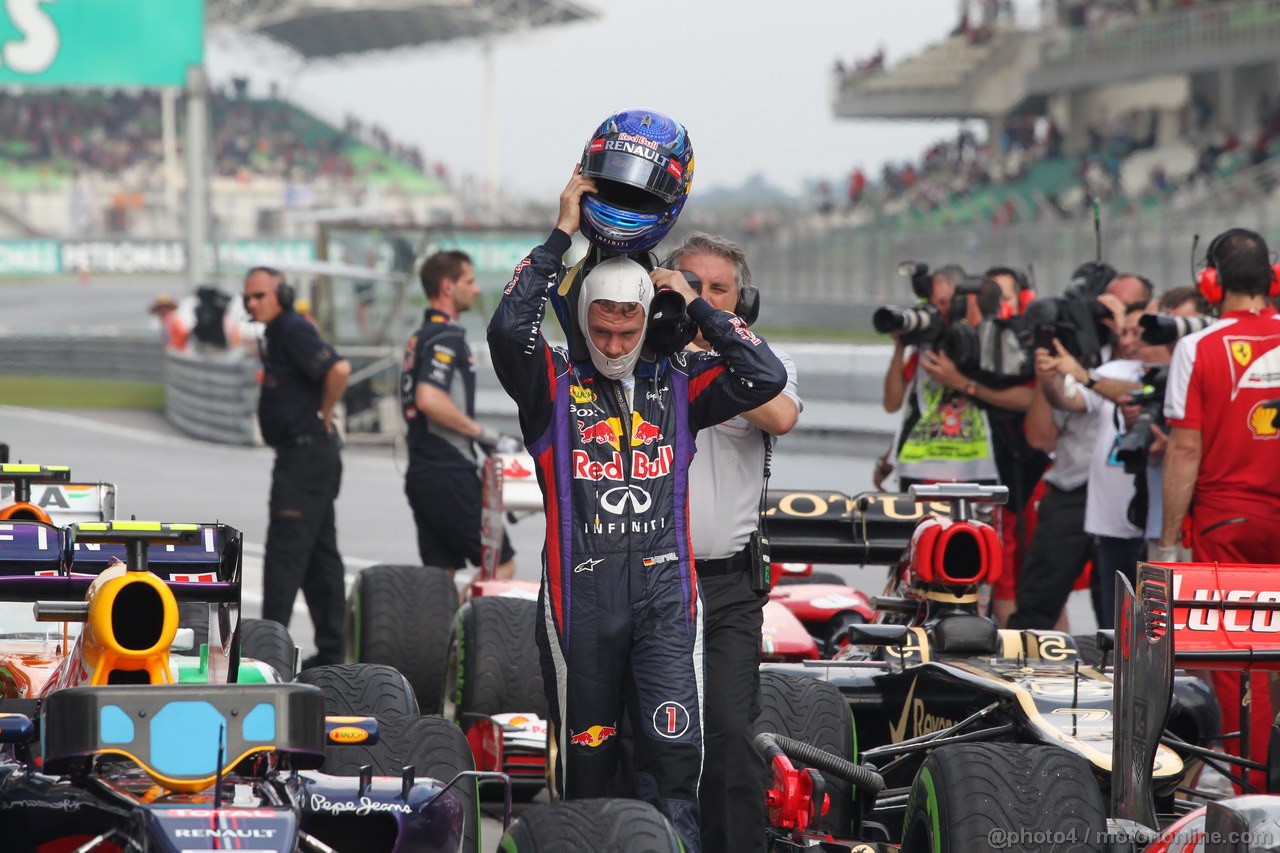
{"type": "Point", "coordinates": [212, 395]}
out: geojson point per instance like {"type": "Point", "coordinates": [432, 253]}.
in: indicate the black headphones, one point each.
{"type": "Point", "coordinates": [285, 294]}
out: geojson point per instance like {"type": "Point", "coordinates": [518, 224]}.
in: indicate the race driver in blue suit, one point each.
{"type": "Point", "coordinates": [612, 436]}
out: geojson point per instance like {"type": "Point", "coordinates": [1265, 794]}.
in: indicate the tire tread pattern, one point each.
{"type": "Point", "coordinates": [362, 689]}
{"type": "Point", "coordinates": [269, 642]}
{"type": "Point", "coordinates": [502, 669]}
{"type": "Point", "coordinates": [813, 712]}
{"type": "Point", "coordinates": [405, 619]}
{"type": "Point", "coordinates": [1019, 798]}
{"type": "Point", "coordinates": [601, 826]}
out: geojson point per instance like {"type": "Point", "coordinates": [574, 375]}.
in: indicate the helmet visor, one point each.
{"type": "Point", "coordinates": [639, 166]}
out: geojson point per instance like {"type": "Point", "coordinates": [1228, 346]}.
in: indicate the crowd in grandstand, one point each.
{"type": "Point", "coordinates": [119, 133]}
{"type": "Point", "coordinates": [1111, 13]}
{"type": "Point", "coordinates": [957, 167]}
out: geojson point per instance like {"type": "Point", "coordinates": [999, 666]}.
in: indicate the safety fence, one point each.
{"type": "Point", "coordinates": [124, 355]}
{"type": "Point", "coordinates": [212, 395]}
{"type": "Point", "coordinates": [822, 274]}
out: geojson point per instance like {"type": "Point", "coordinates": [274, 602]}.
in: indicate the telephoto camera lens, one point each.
{"type": "Point", "coordinates": [907, 320]}
{"type": "Point", "coordinates": [1163, 329]}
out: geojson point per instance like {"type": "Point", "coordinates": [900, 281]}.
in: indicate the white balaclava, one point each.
{"type": "Point", "coordinates": [617, 279]}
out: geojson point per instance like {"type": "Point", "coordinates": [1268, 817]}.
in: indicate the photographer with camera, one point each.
{"type": "Point", "coordinates": [1223, 454]}
{"type": "Point", "coordinates": [1126, 397]}
{"type": "Point", "coordinates": [965, 418]}
{"type": "Point", "coordinates": [944, 436]}
{"type": "Point", "coordinates": [1059, 420]}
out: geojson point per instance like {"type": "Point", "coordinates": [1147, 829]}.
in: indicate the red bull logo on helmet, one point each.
{"type": "Point", "coordinates": [593, 736]}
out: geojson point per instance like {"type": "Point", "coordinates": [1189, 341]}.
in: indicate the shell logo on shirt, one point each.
{"type": "Point", "coordinates": [1262, 420]}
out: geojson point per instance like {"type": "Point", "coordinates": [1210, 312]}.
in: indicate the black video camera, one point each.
{"type": "Point", "coordinates": [1131, 449]}
{"type": "Point", "coordinates": [1076, 316]}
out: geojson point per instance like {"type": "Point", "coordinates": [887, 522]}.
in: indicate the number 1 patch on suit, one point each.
{"type": "Point", "coordinates": [671, 720]}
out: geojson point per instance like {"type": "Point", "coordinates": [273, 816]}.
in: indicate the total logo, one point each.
{"type": "Point", "coordinates": [593, 736]}
{"type": "Point", "coordinates": [642, 466]}
{"type": "Point", "coordinates": [609, 431]}
{"type": "Point", "coordinates": [581, 394]}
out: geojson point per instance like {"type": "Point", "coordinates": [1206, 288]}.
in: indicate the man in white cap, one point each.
{"type": "Point", "coordinates": [620, 615]}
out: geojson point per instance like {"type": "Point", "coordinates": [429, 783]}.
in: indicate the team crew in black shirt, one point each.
{"type": "Point", "coordinates": [303, 379]}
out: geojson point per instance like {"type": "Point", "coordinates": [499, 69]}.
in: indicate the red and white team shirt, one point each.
{"type": "Point", "coordinates": [1218, 381]}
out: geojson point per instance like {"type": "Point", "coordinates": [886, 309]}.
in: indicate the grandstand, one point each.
{"type": "Point", "coordinates": [1166, 112]}
{"type": "Point", "coordinates": [1144, 104]}
{"type": "Point", "coordinates": [91, 163]}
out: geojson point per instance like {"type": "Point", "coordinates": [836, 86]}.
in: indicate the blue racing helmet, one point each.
{"type": "Point", "coordinates": [642, 164]}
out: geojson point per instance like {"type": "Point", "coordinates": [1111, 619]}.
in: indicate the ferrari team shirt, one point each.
{"type": "Point", "coordinates": [1219, 383]}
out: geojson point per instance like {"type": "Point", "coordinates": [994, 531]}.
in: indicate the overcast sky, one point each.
{"type": "Point", "coordinates": [750, 79]}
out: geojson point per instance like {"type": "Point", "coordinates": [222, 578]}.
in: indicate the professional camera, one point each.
{"type": "Point", "coordinates": [918, 324]}
{"type": "Point", "coordinates": [920, 276]}
{"type": "Point", "coordinates": [923, 323]}
{"type": "Point", "coordinates": [1076, 317]}
{"type": "Point", "coordinates": [991, 352]}
{"type": "Point", "coordinates": [1163, 329]}
{"type": "Point", "coordinates": [1131, 449]}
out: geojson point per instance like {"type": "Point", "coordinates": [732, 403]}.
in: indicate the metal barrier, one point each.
{"type": "Point", "coordinates": [212, 395]}
{"type": "Point", "coordinates": [824, 274]}
{"type": "Point", "coordinates": [95, 354]}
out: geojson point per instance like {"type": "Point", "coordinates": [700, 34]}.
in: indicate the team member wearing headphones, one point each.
{"type": "Point", "coordinates": [1224, 449]}
{"type": "Point", "coordinates": [303, 379]}
{"type": "Point", "coordinates": [725, 484]}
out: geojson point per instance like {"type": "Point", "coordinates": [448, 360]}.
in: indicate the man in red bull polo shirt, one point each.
{"type": "Point", "coordinates": [1224, 452]}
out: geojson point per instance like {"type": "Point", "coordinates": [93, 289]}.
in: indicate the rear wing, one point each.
{"type": "Point", "coordinates": [1144, 683]}
{"type": "Point", "coordinates": [828, 526]}
{"type": "Point", "coordinates": [41, 561]}
{"type": "Point", "coordinates": [1199, 615]}
{"type": "Point", "coordinates": [68, 503]}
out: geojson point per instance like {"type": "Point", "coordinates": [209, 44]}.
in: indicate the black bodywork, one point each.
{"type": "Point", "coordinates": [947, 675]}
